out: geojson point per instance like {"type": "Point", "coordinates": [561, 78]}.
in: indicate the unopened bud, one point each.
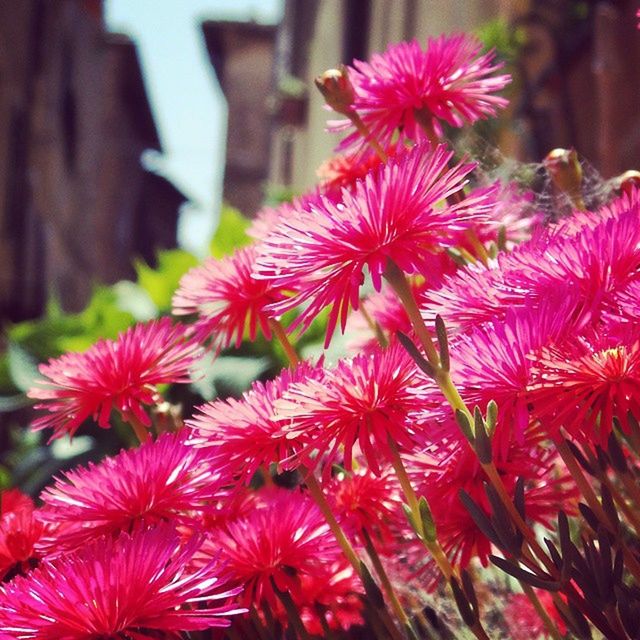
{"type": "Point", "coordinates": [628, 181]}
{"type": "Point", "coordinates": [335, 86]}
{"type": "Point", "coordinates": [167, 417]}
{"type": "Point", "coordinates": [565, 171]}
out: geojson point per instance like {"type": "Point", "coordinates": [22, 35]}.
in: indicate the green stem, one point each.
{"type": "Point", "coordinates": [281, 335]}
{"type": "Point", "coordinates": [365, 132]}
{"type": "Point", "coordinates": [541, 611]}
{"type": "Point", "coordinates": [142, 433]}
{"type": "Point", "coordinates": [374, 326]}
{"type": "Point", "coordinates": [386, 583]}
{"type": "Point", "coordinates": [434, 548]}
{"type": "Point", "coordinates": [325, 508]}
{"type": "Point", "coordinates": [399, 283]}
{"type": "Point", "coordinates": [292, 611]}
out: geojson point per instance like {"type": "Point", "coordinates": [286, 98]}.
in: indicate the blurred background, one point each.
{"type": "Point", "coordinates": [136, 137]}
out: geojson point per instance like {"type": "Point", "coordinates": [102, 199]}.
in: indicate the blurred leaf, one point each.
{"type": "Point", "coordinates": [58, 332]}
{"type": "Point", "coordinates": [277, 194]}
{"type": "Point", "coordinates": [498, 34]}
{"type": "Point", "coordinates": [134, 299]}
{"type": "Point", "coordinates": [13, 403]}
{"type": "Point", "coordinates": [6, 383]}
{"type": "Point", "coordinates": [226, 373]}
{"type": "Point", "coordinates": [230, 234]}
{"type": "Point", "coordinates": [161, 283]}
{"type": "Point", "coordinates": [66, 448]}
{"type": "Point", "coordinates": [22, 367]}
{"type": "Point", "coordinates": [5, 478]}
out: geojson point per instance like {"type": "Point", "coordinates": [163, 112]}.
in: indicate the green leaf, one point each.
{"type": "Point", "coordinates": [58, 332]}
{"type": "Point", "coordinates": [134, 299]}
{"type": "Point", "coordinates": [67, 448]}
{"type": "Point", "coordinates": [22, 367]}
{"type": "Point", "coordinates": [230, 234]}
{"type": "Point", "coordinates": [13, 403]}
{"type": "Point", "coordinates": [226, 373]}
{"type": "Point", "coordinates": [161, 283]}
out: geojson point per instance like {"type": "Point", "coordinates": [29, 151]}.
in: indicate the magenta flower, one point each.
{"type": "Point", "coordinates": [20, 530]}
{"type": "Point", "coordinates": [363, 401]}
{"type": "Point", "coordinates": [596, 262]}
{"type": "Point", "coordinates": [494, 360]}
{"type": "Point", "coordinates": [324, 253]}
{"type": "Point", "coordinates": [343, 171]}
{"type": "Point", "coordinates": [627, 303]}
{"type": "Point", "coordinates": [450, 81]}
{"type": "Point", "coordinates": [441, 475]}
{"type": "Point", "coordinates": [227, 299]}
{"type": "Point", "coordinates": [470, 297]}
{"type": "Point", "coordinates": [244, 434]}
{"type": "Point", "coordinates": [524, 622]}
{"type": "Point", "coordinates": [165, 480]}
{"type": "Point", "coordinates": [363, 501]}
{"type": "Point", "coordinates": [582, 384]}
{"type": "Point", "coordinates": [117, 374]}
{"type": "Point", "coordinates": [285, 540]}
{"type": "Point", "coordinates": [133, 587]}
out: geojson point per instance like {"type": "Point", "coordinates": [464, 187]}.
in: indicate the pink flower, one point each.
{"type": "Point", "coordinates": [585, 382]}
{"type": "Point", "coordinates": [391, 215]}
{"type": "Point", "coordinates": [227, 299]}
{"type": "Point", "coordinates": [441, 476]}
{"type": "Point", "coordinates": [279, 544]}
{"type": "Point", "coordinates": [626, 305]}
{"type": "Point", "coordinates": [364, 401]}
{"type": "Point", "coordinates": [334, 592]}
{"type": "Point", "coordinates": [471, 296]}
{"type": "Point", "coordinates": [494, 360]}
{"type": "Point", "coordinates": [362, 501]}
{"type": "Point", "coordinates": [117, 374]}
{"type": "Point", "coordinates": [450, 81]}
{"type": "Point", "coordinates": [245, 434]}
{"type": "Point", "coordinates": [165, 480]}
{"type": "Point", "coordinates": [20, 530]}
{"type": "Point", "coordinates": [596, 262]}
{"type": "Point", "coordinates": [524, 622]}
{"type": "Point", "coordinates": [268, 218]}
{"type": "Point", "coordinates": [343, 171]}
{"type": "Point", "coordinates": [132, 587]}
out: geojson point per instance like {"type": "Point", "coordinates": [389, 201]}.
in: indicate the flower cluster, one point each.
{"type": "Point", "coordinates": [494, 393]}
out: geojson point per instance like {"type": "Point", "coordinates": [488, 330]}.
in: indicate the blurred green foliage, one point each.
{"type": "Point", "coordinates": [26, 459]}
{"type": "Point", "coordinates": [230, 234]}
{"type": "Point", "coordinates": [500, 36]}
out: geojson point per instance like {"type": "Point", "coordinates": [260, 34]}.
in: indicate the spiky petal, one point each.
{"type": "Point", "coordinates": [244, 434]}
{"type": "Point", "coordinates": [276, 545]}
{"type": "Point", "coordinates": [325, 252]}
{"type": "Point", "coordinates": [131, 587]}
{"type": "Point", "coordinates": [228, 301]}
{"type": "Point", "coordinates": [364, 401]}
{"type": "Point", "coordinates": [120, 374]}
{"type": "Point", "coordinates": [165, 480]}
{"type": "Point", "coordinates": [450, 80]}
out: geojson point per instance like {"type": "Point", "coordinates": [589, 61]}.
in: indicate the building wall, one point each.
{"type": "Point", "coordinates": [74, 121]}
{"type": "Point", "coordinates": [242, 55]}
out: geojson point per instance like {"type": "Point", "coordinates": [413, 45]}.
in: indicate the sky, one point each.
{"type": "Point", "coordinates": [188, 106]}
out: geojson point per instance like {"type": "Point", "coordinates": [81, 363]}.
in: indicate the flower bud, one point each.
{"type": "Point", "coordinates": [627, 181]}
{"type": "Point", "coordinates": [566, 173]}
{"type": "Point", "coordinates": [335, 86]}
